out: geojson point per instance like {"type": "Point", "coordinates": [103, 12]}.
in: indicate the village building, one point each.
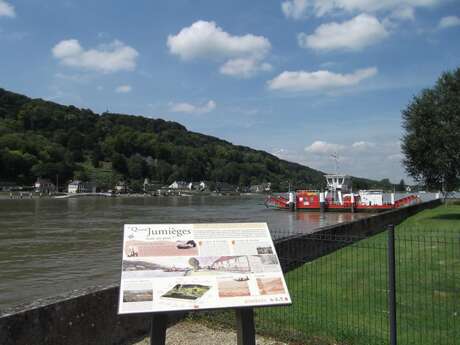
{"type": "Point", "coordinates": [204, 185]}
{"type": "Point", "coordinates": [261, 188]}
{"type": "Point", "coordinates": [195, 186]}
{"type": "Point", "coordinates": [121, 187]}
{"type": "Point", "coordinates": [81, 187]}
{"type": "Point", "coordinates": [151, 186]}
{"type": "Point", "coordinates": [45, 186]}
{"type": "Point", "coordinates": [178, 185]}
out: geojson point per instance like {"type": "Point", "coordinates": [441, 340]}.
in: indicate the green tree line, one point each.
{"type": "Point", "coordinates": [39, 138]}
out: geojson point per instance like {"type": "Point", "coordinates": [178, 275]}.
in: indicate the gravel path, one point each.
{"type": "Point", "coordinates": [195, 333]}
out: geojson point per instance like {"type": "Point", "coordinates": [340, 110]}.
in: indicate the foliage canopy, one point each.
{"type": "Point", "coordinates": [431, 143]}
{"type": "Point", "coordinates": [44, 139]}
{"type": "Point", "coordinates": [41, 138]}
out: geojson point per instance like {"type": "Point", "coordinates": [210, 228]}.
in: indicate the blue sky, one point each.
{"type": "Point", "coordinates": [301, 79]}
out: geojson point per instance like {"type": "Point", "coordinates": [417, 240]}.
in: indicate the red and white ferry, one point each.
{"type": "Point", "coordinates": [339, 197]}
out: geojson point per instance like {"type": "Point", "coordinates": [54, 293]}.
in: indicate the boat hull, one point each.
{"type": "Point", "coordinates": [310, 202]}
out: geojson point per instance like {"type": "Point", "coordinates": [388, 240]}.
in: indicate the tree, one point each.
{"type": "Point", "coordinates": [81, 175]}
{"type": "Point", "coordinates": [119, 163]}
{"type": "Point", "coordinates": [137, 167]}
{"type": "Point", "coordinates": [96, 156]}
{"type": "Point", "coordinates": [401, 187]}
{"type": "Point", "coordinates": [431, 142]}
{"type": "Point", "coordinates": [386, 184]}
{"type": "Point", "coordinates": [41, 138]}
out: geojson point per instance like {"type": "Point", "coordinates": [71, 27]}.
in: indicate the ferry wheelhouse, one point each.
{"type": "Point", "coordinates": [339, 196]}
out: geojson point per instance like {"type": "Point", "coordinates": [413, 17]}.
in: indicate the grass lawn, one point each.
{"type": "Point", "coordinates": [342, 297]}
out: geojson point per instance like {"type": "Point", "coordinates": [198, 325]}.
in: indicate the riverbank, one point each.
{"type": "Point", "coordinates": [342, 297]}
{"type": "Point", "coordinates": [34, 195]}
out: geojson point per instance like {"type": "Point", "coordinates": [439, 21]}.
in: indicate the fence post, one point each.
{"type": "Point", "coordinates": [392, 284]}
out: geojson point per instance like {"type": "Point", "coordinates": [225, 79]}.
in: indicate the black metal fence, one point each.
{"type": "Point", "coordinates": [340, 290]}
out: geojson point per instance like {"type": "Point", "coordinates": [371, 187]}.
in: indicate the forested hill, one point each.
{"type": "Point", "coordinates": [41, 138]}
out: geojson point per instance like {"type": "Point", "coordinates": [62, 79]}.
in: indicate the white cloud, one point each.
{"type": "Point", "coordinates": [361, 158]}
{"type": "Point", "coordinates": [319, 80]}
{"type": "Point", "coordinates": [324, 148]}
{"type": "Point", "coordinates": [362, 145]}
{"type": "Point", "coordinates": [301, 8]}
{"type": "Point", "coordinates": [106, 58]}
{"type": "Point", "coordinates": [448, 22]}
{"type": "Point", "coordinates": [193, 109]}
{"type": "Point", "coordinates": [354, 34]}
{"type": "Point", "coordinates": [123, 89]}
{"type": "Point", "coordinates": [243, 54]}
{"type": "Point", "coordinates": [295, 9]}
{"type": "Point", "coordinates": [403, 13]}
{"type": "Point", "coordinates": [244, 68]}
{"type": "Point", "coordinates": [395, 157]}
{"type": "Point", "coordinates": [7, 10]}
{"type": "Point", "coordinates": [207, 40]}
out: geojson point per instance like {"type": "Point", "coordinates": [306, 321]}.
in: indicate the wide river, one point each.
{"type": "Point", "coordinates": [51, 246]}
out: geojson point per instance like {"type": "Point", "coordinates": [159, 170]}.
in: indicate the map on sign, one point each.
{"type": "Point", "coordinates": [171, 267]}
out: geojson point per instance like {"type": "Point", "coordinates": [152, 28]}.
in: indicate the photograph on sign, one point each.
{"type": "Point", "coordinates": [178, 267]}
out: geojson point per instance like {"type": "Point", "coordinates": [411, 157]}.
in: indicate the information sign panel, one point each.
{"type": "Point", "coordinates": [172, 267]}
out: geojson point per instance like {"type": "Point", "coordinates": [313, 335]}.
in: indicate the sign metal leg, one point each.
{"type": "Point", "coordinates": [246, 334]}
{"type": "Point", "coordinates": [158, 329]}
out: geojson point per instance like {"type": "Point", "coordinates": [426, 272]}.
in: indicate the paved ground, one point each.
{"type": "Point", "coordinates": [194, 333]}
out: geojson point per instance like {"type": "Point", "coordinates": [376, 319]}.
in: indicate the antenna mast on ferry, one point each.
{"type": "Point", "coordinates": [336, 160]}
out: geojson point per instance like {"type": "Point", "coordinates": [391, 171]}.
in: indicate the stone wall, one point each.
{"type": "Point", "coordinates": [83, 317]}
{"type": "Point", "coordinates": [90, 317]}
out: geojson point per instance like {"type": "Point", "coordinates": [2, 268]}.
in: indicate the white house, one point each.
{"type": "Point", "coordinates": [178, 185]}
{"type": "Point", "coordinates": [81, 187]}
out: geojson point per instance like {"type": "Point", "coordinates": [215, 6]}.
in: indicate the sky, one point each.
{"type": "Point", "coordinates": [301, 79]}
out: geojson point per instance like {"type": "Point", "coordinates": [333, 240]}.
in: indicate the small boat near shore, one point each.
{"type": "Point", "coordinates": [339, 197]}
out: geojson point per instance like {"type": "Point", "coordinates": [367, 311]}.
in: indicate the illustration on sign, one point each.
{"type": "Point", "coordinates": [172, 267]}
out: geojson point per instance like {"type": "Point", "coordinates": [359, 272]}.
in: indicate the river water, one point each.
{"type": "Point", "coordinates": [51, 246]}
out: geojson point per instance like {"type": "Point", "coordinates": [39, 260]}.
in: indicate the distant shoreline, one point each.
{"type": "Point", "coordinates": [34, 195]}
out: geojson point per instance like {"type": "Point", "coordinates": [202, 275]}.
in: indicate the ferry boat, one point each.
{"type": "Point", "coordinates": [339, 197]}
